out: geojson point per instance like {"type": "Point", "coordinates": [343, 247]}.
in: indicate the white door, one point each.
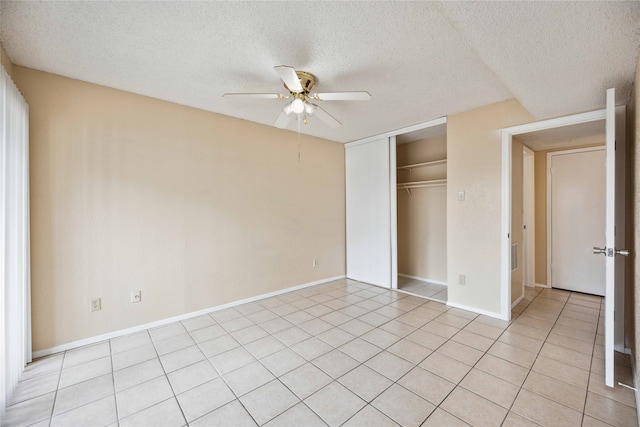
{"type": "Point", "coordinates": [528, 208]}
{"type": "Point", "coordinates": [577, 214]}
{"type": "Point", "coordinates": [368, 204]}
{"type": "Point", "coordinates": [610, 250]}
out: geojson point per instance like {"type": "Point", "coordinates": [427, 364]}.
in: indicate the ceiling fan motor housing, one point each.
{"type": "Point", "coordinates": [307, 81]}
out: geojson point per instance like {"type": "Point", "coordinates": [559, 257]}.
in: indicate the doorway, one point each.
{"type": "Point", "coordinates": [615, 149]}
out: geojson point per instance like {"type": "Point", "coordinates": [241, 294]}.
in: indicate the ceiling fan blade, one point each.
{"type": "Point", "coordinates": [283, 120]}
{"type": "Point", "coordinates": [254, 95]}
{"type": "Point", "coordinates": [342, 96]}
{"type": "Point", "coordinates": [326, 117]}
{"type": "Point", "coordinates": [289, 77]}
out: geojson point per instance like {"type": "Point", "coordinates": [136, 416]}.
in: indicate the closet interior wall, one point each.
{"type": "Point", "coordinates": [422, 212]}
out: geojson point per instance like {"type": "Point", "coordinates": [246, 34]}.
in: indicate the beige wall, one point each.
{"type": "Point", "coordinates": [474, 155]}
{"type": "Point", "coordinates": [516, 217]}
{"type": "Point", "coordinates": [422, 217]}
{"type": "Point", "coordinates": [540, 160]}
{"type": "Point", "coordinates": [5, 61]}
{"type": "Point", "coordinates": [193, 208]}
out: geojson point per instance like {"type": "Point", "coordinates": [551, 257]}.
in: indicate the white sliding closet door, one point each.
{"type": "Point", "coordinates": [15, 302]}
{"type": "Point", "coordinates": [369, 216]}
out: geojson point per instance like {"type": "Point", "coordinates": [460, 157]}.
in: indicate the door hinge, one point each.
{"type": "Point", "coordinates": [610, 252]}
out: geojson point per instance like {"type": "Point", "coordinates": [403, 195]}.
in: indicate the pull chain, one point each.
{"type": "Point", "coordinates": [299, 139]}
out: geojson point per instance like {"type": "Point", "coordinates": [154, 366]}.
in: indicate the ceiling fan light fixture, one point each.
{"type": "Point", "coordinates": [297, 106]}
{"type": "Point", "coordinates": [309, 109]}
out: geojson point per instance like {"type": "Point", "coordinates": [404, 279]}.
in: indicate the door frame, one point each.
{"type": "Point", "coordinates": [528, 207]}
{"type": "Point", "coordinates": [507, 148]}
{"type": "Point", "coordinates": [548, 197]}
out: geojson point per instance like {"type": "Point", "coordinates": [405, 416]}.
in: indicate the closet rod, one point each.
{"type": "Point", "coordinates": [420, 184]}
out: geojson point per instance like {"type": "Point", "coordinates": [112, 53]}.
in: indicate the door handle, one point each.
{"type": "Point", "coordinates": [602, 251]}
{"type": "Point", "coordinates": [605, 252]}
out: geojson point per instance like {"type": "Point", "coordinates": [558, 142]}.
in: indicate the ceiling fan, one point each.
{"type": "Point", "coordinates": [299, 84]}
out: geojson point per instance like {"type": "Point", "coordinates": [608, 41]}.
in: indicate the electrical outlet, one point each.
{"type": "Point", "coordinates": [136, 297]}
{"type": "Point", "coordinates": [96, 304]}
{"type": "Point", "coordinates": [462, 279]}
{"type": "Point", "coordinates": [315, 262]}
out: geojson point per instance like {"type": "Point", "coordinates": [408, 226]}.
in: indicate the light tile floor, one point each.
{"type": "Point", "coordinates": [423, 288]}
{"type": "Point", "coordinates": [341, 353]}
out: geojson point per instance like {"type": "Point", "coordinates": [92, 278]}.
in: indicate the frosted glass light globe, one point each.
{"type": "Point", "coordinates": [297, 106]}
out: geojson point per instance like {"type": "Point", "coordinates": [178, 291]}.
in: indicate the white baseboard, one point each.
{"type": "Point", "coordinates": [436, 282]}
{"type": "Point", "coordinates": [540, 285]}
{"type": "Point", "coordinates": [516, 302]}
{"type": "Point", "coordinates": [475, 310]}
{"type": "Point", "coordinates": [115, 334]}
{"type": "Point", "coordinates": [415, 294]}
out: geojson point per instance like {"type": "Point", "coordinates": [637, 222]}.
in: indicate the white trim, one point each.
{"type": "Point", "coordinates": [419, 126]}
{"type": "Point", "coordinates": [541, 285]}
{"type": "Point", "coordinates": [516, 302]}
{"type": "Point", "coordinates": [393, 199]}
{"type": "Point", "coordinates": [549, 195]}
{"type": "Point", "coordinates": [559, 122]}
{"type": "Point", "coordinates": [505, 253]}
{"type": "Point", "coordinates": [505, 229]}
{"type": "Point", "coordinates": [610, 240]}
{"type": "Point", "coordinates": [529, 207]}
{"type": "Point", "coordinates": [475, 310]}
{"type": "Point", "coordinates": [435, 282]}
{"type": "Point", "coordinates": [98, 338]}
{"type": "Point", "coordinates": [415, 294]}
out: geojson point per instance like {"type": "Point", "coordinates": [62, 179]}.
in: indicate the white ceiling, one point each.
{"type": "Point", "coordinates": [419, 60]}
{"type": "Point", "coordinates": [421, 134]}
{"type": "Point", "coordinates": [565, 137]}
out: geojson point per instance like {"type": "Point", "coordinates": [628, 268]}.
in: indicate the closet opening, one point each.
{"type": "Point", "coordinates": [421, 207]}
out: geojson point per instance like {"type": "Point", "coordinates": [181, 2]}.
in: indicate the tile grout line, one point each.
{"type": "Point", "coordinates": [333, 348]}
{"type": "Point", "coordinates": [458, 384]}
{"type": "Point", "coordinates": [385, 349]}
{"type": "Point", "coordinates": [485, 352]}
{"type": "Point", "coordinates": [55, 396]}
{"type": "Point", "coordinates": [113, 382]}
{"type": "Point", "coordinates": [319, 301]}
{"type": "Point", "coordinates": [538, 354]}
{"type": "Point", "coordinates": [166, 377]}
{"type": "Point", "coordinates": [595, 337]}
{"type": "Point", "coordinates": [224, 380]}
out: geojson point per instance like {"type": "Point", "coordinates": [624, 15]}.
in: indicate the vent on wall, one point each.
{"type": "Point", "coordinates": [514, 257]}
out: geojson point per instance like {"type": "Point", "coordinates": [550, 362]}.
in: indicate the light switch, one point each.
{"type": "Point", "coordinates": [460, 196]}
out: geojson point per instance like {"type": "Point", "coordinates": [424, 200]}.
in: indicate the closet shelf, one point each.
{"type": "Point", "coordinates": [419, 165]}
{"type": "Point", "coordinates": [420, 184]}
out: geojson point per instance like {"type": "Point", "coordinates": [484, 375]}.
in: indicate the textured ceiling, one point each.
{"type": "Point", "coordinates": [419, 135]}
{"type": "Point", "coordinates": [419, 60]}
{"type": "Point", "coordinates": [565, 137]}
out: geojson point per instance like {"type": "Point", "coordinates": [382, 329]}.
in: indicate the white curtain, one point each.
{"type": "Point", "coordinates": [15, 280]}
